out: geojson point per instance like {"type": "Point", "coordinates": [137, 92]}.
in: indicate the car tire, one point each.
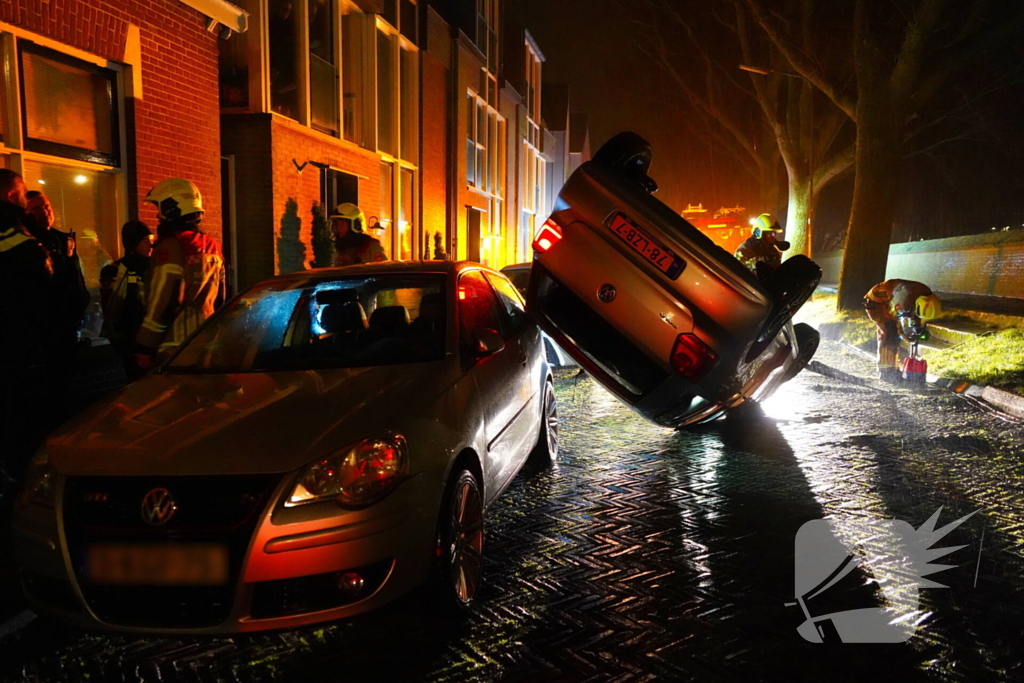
{"type": "Point", "coordinates": [790, 286]}
{"type": "Point", "coordinates": [460, 537]}
{"type": "Point", "coordinates": [807, 340]}
{"type": "Point", "coordinates": [545, 453]}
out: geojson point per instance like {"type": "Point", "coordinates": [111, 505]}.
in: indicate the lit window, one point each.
{"type": "Point", "coordinates": [70, 107]}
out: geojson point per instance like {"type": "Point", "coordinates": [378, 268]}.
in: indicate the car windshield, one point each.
{"type": "Point", "coordinates": [322, 323]}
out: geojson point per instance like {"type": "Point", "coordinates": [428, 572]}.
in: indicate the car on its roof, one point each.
{"type": "Point", "coordinates": [670, 323]}
{"type": "Point", "coordinates": [519, 274]}
{"type": "Point", "coordinates": [323, 444]}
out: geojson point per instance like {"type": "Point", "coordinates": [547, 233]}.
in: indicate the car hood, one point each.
{"type": "Point", "coordinates": [251, 423]}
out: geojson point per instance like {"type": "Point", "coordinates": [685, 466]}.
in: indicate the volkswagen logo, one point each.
{"type": "Point", "coordinates": [158, 506]}
{"type": "Point", "coordinates": [606, 294]}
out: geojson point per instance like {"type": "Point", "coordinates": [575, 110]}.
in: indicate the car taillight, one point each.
{"type": "Point", "coordinates": [548, 236]}
{"type": "Point", "coordinates": [691, 357]}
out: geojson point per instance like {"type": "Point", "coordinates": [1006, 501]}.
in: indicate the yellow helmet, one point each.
{"type": "Point", "coordinates": [174, 198]}
{"type": "Point", "coordinates": [350, 212]}
{"type": "Point", "coordinates": [928, 307]}
{"type": "Point", "coordinates": [765, 223]}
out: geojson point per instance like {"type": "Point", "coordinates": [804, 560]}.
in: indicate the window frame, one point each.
{"type": "Point", "coordinates": [12, 143]}
{"type": "Point", "coordinates": [57, 149]}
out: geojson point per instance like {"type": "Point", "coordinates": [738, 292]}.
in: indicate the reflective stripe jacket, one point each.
{"type": "Point", "coordinates": [126, 306]}
{"type": "Point", "coordinates": [896, 296]}
{"type": "Point", "coordinates": [754, 251]}
{"type": "Point", "coordinates": [358, 248]}
{"type": "Point", "coordinates": [185, 285]}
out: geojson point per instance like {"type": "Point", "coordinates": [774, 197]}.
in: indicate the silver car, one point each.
{"type": "Point", "coordinates": [670, 323]}
{"type": "Point", "coordinates": [519, 274]}
{"type": "Point", "coordinates": [322, 445]}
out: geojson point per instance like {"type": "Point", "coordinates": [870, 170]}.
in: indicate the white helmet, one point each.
{"type": "Point", "coordinates": [174, 198]}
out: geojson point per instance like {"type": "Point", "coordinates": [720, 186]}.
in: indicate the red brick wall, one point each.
{"type": "Point", "coordinates": [293, 144]}
{"type": "Point", "coordinates": [247, 138]}
{"type": "Point", "coordinates": [176, 123]}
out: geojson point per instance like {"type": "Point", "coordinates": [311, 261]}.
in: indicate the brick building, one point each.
{"type": "Point", "coordinates": [426, 113]}
{"type": "Point", "coordinates": [101, 99]}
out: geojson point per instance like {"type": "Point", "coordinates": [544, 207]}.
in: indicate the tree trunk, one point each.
{"type": "Point", "coordinates": [796, 216]}
{"type": "Point", "coordinates": [877, 162]}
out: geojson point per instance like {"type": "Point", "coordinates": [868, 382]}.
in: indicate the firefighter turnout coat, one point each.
{"type": "Point", "coordinates": [186, 283]}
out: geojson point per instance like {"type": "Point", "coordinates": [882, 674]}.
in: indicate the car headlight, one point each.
{"type": "Point", "coordinates": [40, 482]}
{"type": "Point", "coordinates": [354, 476]}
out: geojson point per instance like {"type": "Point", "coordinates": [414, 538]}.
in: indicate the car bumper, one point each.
{"type": "Point", "coordinates": [391, 544]}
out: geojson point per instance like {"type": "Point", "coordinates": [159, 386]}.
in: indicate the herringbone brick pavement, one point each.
{"type": "Point", "coordinates": [649, 554]}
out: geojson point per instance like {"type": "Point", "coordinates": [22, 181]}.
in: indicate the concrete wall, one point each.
{"type": "Point", "coordinates": [990, 264]}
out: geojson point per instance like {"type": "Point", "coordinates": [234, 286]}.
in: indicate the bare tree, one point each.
{"type": "Point", "coordinates": [700, 47]}
{"type": "Point", "coordinates": [904, 54]}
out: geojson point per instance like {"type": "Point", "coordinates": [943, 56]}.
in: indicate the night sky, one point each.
{"type": "Point", "coordinates": [962, 187]}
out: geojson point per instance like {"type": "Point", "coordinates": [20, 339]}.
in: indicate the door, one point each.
{"type": "Point", "coordinates": [498, 377]}
{"type": "Point", "coordinates": [523, 337]}
{"type": "Point", "coordinates": [473, 221]}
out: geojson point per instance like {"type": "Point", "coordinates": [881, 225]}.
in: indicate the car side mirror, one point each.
{"type": "Point", "coordinates": [486, 342]}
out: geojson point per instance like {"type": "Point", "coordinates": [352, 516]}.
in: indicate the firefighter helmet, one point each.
{"type": "Point", "coordinates": [765, 223]}
{"type": "Point", "coordinates": [928, 307]}
{"type": "Point", "coordinates": [350, 212]}
{"type": "Point", "coordinates": [175, 198]}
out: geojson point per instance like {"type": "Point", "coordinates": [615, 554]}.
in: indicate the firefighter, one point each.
{"type": "Point", "coordinates": [125, 304]}
{"type": "Point", "coordinates": [762, 251]}
{"type": "Point", "coordinates": [351, 244]}
{"type": "Point", "coordinates": [900, 310]}
{"type": "Point", "coordinates": [186, 280]}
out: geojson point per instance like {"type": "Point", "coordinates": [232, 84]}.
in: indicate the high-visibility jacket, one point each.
{"type": "Point", "coordinates": [896, 296]}
{"type": "Point", "coordinates": [186, 283]}
{"type": "Point", "coordinates": [884, 303]}
{"type": "Point", "coordinates": [756, 250]}
{"type": "Point", "coordinates": [357, 247]}
{"type": "Point", "coordinates": [126, 305]}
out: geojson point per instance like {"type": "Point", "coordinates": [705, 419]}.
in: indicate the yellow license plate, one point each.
{"type": "Point", "coordinates": [157, 564]}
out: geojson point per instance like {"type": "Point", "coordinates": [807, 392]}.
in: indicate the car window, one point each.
{"type": "Point", "coordinates": [478, 307]}
{"type": "Point", "coordinates": [311, 324]}
{"type": "Point", "coordinates": [511, 301]}
{"type": "Point", "coordinates": [520, 277]}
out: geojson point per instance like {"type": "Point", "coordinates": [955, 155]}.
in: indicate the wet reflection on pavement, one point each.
{"type": "Point", "coordinates": [652, 553]}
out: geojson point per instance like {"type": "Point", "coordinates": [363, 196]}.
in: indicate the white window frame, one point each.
{"type": "Point", "coordinates": [12, 144]}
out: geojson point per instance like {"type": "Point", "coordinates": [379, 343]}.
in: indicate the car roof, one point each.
{"type": "Point", "coordinates": [517, 266]}
{"type": "Point", "coordinates": [385, 267]}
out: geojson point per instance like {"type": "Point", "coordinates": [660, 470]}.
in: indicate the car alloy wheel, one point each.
{"type": "Point", "coordinates": [545, 453]}
{"type": "Point", "coordinates": [462, 538]}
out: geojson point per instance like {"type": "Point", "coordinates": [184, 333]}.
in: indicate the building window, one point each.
{"type": "Point", "coordinates": [387, 113]}
{"type": "Point", "coordinates": [283, 29]}
{"type": "Point", "coordinates": [387, 203]}
{"type": "Point", "coordinates": [323, 67]}
{"type": "Point", "coordinates": [352, 74]}
{"type": "Point", "coordinates": [406, 213]}
{"type": "Point", "coordinates": [69, 107]}
{"type": "Point", "coordinates": [532, 86]}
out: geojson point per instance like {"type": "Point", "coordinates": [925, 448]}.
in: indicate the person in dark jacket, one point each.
{"type": "Point", "coordinates": [125, 306]}
{"type": "Point", "coordinates": [67, 299]}
{"type": "Point", "coordinates": [762, 251]}
{"type": "Point", "coordinates": [25, 275]}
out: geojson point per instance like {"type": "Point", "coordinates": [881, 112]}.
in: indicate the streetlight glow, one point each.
{"type": "Point", "coordinates": [81, 179]}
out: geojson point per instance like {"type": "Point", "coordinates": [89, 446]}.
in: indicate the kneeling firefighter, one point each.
{"type": "Point", "coordinates": [900, 310]}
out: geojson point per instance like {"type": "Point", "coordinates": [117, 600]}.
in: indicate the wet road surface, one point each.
{"type": "Point", "coordinates": [649, 553]}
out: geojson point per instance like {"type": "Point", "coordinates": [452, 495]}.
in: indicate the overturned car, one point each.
{"type": "Point", "coordinates": [670, 323]}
